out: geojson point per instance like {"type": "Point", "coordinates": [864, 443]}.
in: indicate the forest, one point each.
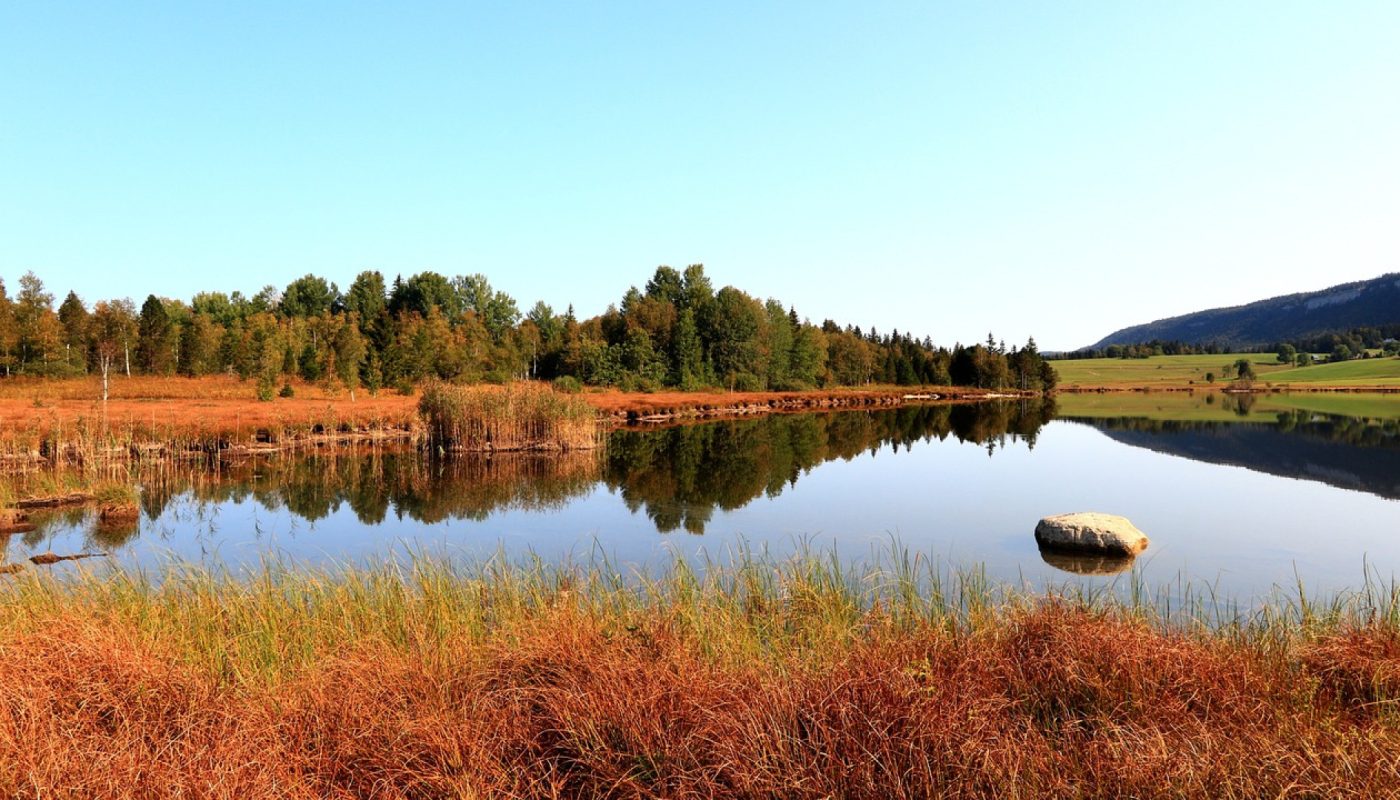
{"type": "Point", "coordinates": [675, 332]}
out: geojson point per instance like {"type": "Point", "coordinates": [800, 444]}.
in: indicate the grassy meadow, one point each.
{"type": "Point", "coordinates": [1163, 370]}
{"type": "Point", "coordinates": [803, 678]}
{"type": "Point", "coordinates": [1183, 371]}
{"type": "Point", "coordinates": [1364, 372]}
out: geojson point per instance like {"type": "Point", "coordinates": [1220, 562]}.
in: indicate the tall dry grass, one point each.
{"type": "Point", "coordinates": [803, 678]}
{"type": "Point", "coordinates": [54, 422]}
{"type": "Point", "coordinates": [518, 416]}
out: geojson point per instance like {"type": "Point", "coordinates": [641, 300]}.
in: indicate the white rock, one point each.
{"type": "Point", "coordinates": [1091, 532]}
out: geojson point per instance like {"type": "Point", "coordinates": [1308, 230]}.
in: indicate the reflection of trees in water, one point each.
{"type": "Point", "coordinates": [474, 488]}
{"type": "Point", "coordinates": [312, 488]}
{"type": "Point", "coordinates": [1356, 431]}
{"type": "Point", "coordinates": [678, 476]}
{"type": "Point", "coordinates": [110, 534]}
{"type": "Point", "coordinates": [1239, 402]}
{"type": "Point", "coordinates": [1349, 452]}
{"type": "Point", "coordinates": [47, 521]}
{"type": "Point", "coordinates": [423, 489]}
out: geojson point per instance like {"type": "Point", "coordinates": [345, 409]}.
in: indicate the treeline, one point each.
{"type": "Point", "coordinates": [1346, 345]}
{"type": "Point", "coordinates": [675, 332]}
{"type": "Point", "coordinates": [1156, 347]}
{"type": "Point", "coordinates": [1336, 346]}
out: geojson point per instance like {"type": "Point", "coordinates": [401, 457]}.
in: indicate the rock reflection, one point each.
{"type": "Point", "coordinates": [1085, 563]}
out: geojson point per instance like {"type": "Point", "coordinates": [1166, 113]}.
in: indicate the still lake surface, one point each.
{"type": "Point", "coordinates": [1245, 494]}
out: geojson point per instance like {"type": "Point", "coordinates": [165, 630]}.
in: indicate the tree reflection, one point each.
{"type": "Point", "coordinates": [1345, 451]}
{"type": "Point", "coordinates": [410, 484]}
{"type": "Point", "coordinates": [679, 476]}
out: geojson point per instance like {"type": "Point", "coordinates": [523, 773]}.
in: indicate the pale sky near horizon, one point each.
{"type": "Point", "coordinates": [1056, 169]}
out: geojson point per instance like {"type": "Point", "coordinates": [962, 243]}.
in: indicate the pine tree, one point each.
{"type": "Point", "coordinates": [73, 316]}
{"type": "Point", "coordinates": [155, 338]}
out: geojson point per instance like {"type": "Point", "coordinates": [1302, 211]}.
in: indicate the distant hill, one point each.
{"type": "Point", "coordinates": [1340, 308]}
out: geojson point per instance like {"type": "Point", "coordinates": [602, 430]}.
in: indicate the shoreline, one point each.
{"type": "Point", "coordinates": [176, 419]}
{"type": "Point", "coordinates": [631, 408]}
{"type": "Point", "coordinates": [184, 421]}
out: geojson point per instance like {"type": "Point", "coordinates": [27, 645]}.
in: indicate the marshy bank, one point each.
{"type": "Point", "coordinates": [803, 677]}
{"type": "Point", "coordinates": [186, 424]}
{"type": "Point", "coordinates": [515, 417]}
{"type": "Point", "coordinates": [50, 422]}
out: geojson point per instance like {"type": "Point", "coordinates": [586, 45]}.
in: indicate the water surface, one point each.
{"type": "Point", "coordinates": [1241, 493]}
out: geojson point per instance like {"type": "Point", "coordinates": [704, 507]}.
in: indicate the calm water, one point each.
{"type": "Point", "coordinates": [1243, 495]}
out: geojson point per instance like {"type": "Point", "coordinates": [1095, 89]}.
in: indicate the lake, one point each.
{"type": "Point", "coordinates": [1242, 493]}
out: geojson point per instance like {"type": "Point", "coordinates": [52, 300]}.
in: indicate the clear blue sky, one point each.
{"type": "Point", "coordinates": [1060, 169]}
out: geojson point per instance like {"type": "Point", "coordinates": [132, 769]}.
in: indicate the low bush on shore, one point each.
{"type": "Point", "coordinates": [517, 416]}
{"type": "Point", "coordinates": [804, 678]}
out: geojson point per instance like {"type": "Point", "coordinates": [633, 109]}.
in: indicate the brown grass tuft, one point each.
{"type": "Point", "coordinates": [1359, 666]}
{"type": "Point", "coordinates": [515, 417]}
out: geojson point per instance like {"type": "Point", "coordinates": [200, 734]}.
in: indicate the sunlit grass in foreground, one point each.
{"type": "Point", "coordinates": [752, 676]}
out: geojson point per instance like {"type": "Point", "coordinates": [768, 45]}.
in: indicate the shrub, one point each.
{"type": "Point", "coordinates": [567, 384]}
{"type": "Point", "coordinates": [747, 382]}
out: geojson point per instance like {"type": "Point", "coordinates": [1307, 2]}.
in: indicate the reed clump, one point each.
{"type": "Point", "coordinates": [516, 417]}
{"type": "Point", "coordinates": [803, 678]}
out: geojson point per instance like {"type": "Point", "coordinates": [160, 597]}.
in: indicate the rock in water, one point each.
{"type": "Point", "coordinates": [1091, 532]}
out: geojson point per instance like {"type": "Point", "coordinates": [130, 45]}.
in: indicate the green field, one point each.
{"type": "Point", "coordinates": [1366, 372]}
{"type": "Point", "coordinates": [1191, 370]}
{"type": "Point", "coordinates": [1173, 370]}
